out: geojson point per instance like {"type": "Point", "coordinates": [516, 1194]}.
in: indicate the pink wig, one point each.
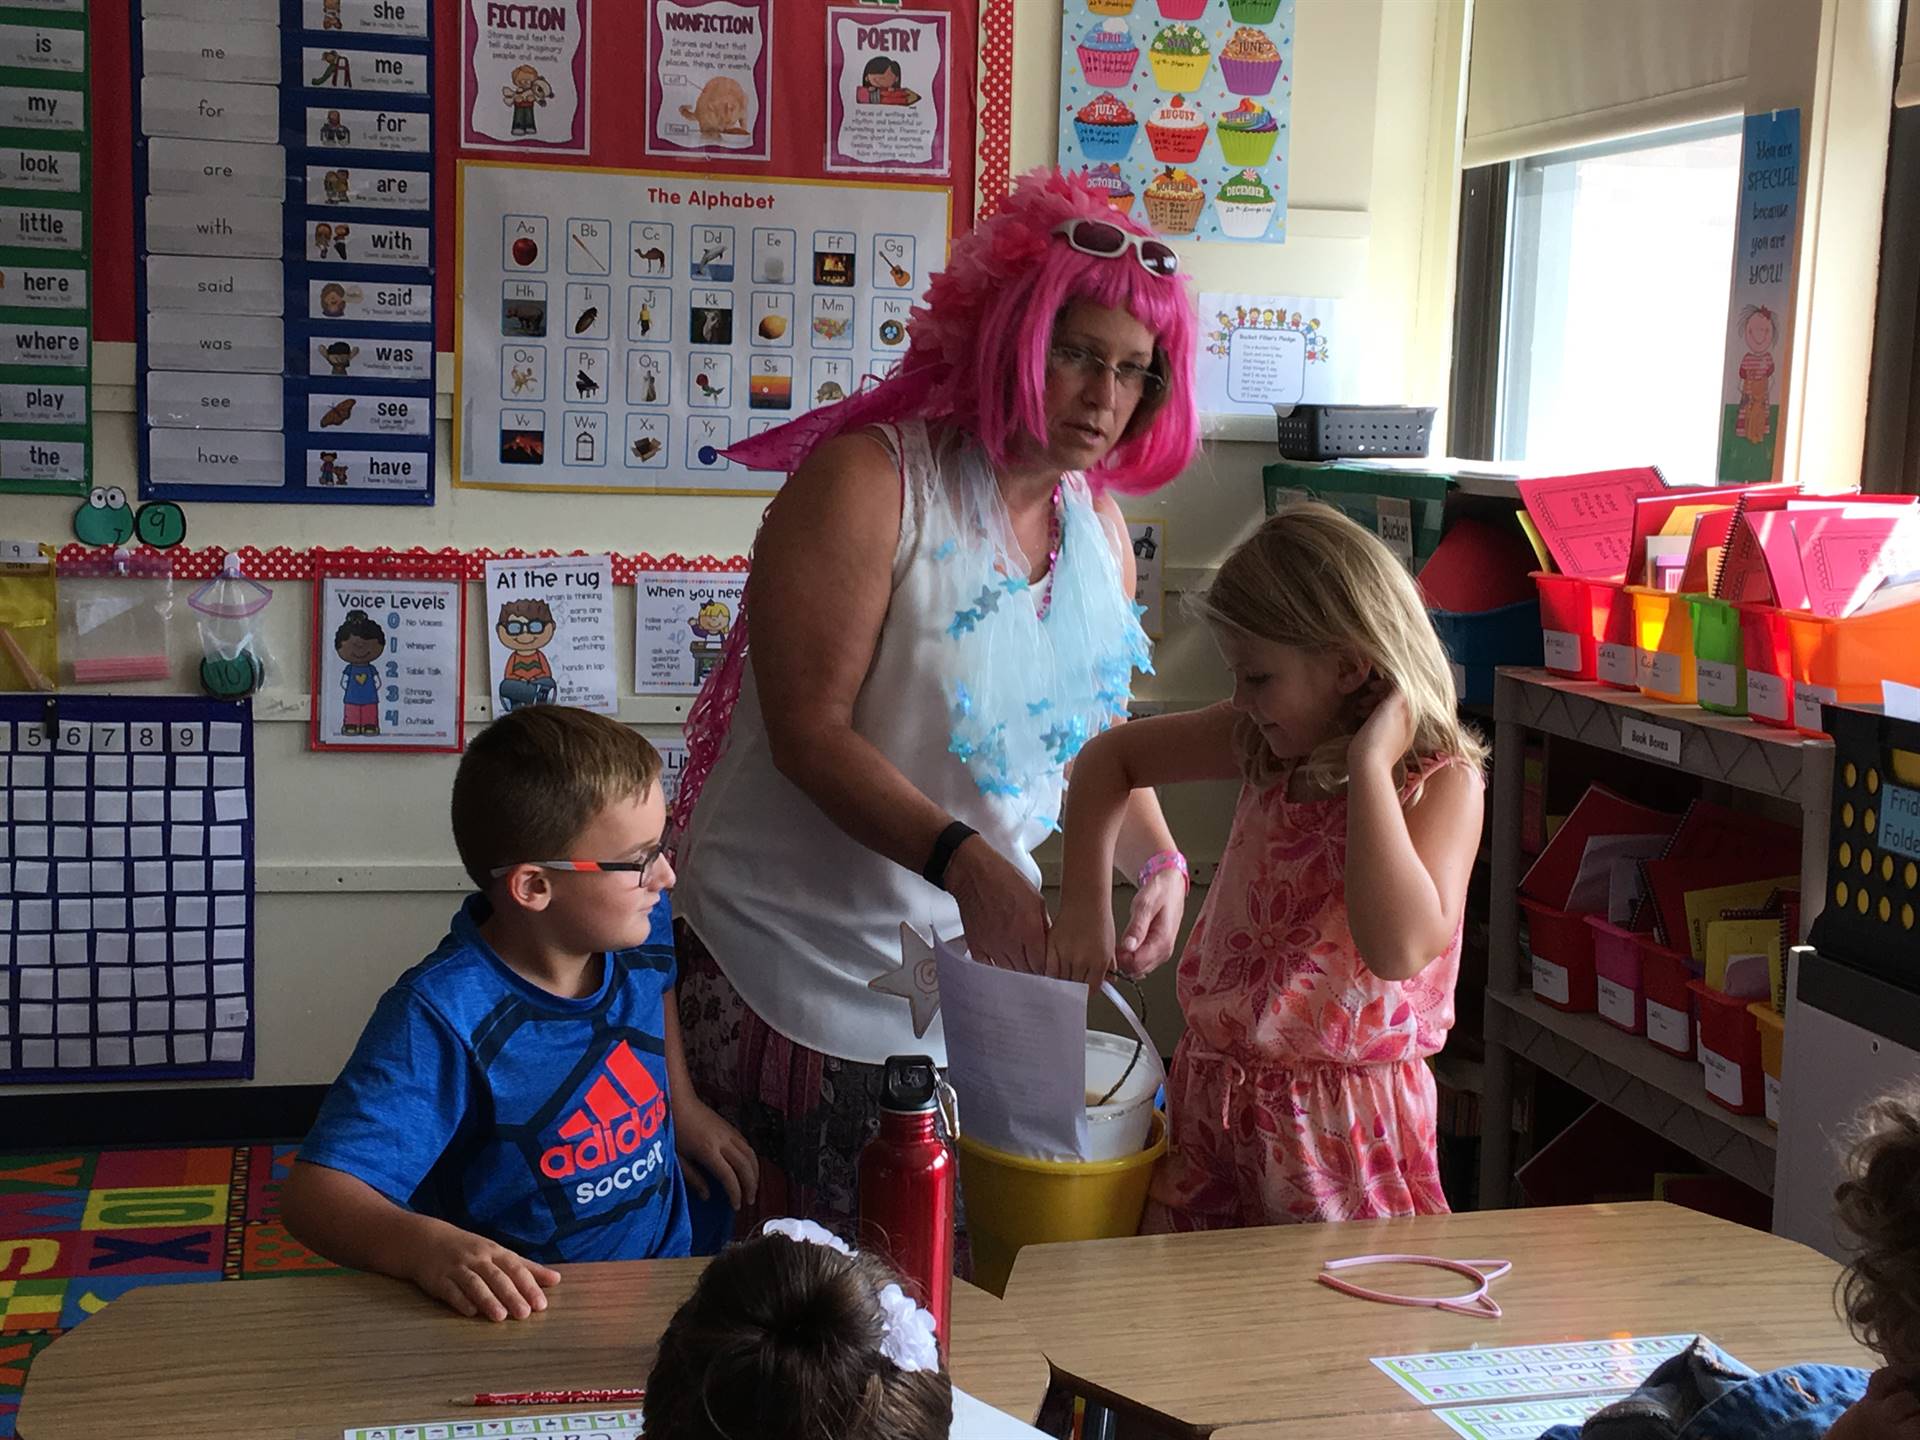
{"type": "Point", "coordinates": [977, 343]}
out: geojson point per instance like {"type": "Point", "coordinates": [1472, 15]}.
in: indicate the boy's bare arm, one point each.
{"type": "Point", "coordinates": [349, 1222]}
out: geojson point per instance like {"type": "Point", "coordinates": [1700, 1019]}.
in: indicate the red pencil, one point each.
{"type": "Point", "coordinates": [557, 1397]}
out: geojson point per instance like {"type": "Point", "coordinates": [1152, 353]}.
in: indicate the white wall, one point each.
{"type": "Point", "coordinates": [357, 874]}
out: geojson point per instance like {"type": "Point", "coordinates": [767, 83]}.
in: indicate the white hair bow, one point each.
{"type": "Point", "coordinates": [906, 1327]}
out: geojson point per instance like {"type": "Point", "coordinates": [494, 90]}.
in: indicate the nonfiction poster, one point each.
{"type": "Point", "coordinates": [709, 77]}
{"type": "Point", "coordinates": [1180, 112]}
{"type": "Point", "coordinates": [620, 329]}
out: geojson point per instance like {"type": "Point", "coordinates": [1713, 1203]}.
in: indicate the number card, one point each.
{"type": "Point", "coordinates": [388, 663]}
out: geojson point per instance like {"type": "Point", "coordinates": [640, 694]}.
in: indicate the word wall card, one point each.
{"type": "Point", "coordinates": [619, 329]}
{"type": "Point", "coordinates": [46, 242]}
{"type": "Point", "coordinates": [126, 888]}
{"type": "Point", "coordinates": [283, 185]}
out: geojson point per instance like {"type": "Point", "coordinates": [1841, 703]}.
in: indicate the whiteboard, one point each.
{"type": "Point", "coordinates": [618, 329]}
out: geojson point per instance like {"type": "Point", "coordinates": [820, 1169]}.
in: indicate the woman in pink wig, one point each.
{"type": "Point", "coordinates": [941, 616]}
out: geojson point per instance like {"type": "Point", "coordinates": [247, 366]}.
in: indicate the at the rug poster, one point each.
{"type": "Point", "coordinates": [887, 78]}
{"type": "Point", "coordinates": [387, 664]}
{"type": "Point", "coordinates": [1258, 351]}
{"type": "Point", "coordinates": [1755, 380]}
{"type": "Point", "coordinates": [523, 81]}
{"type": "Point", "coordinates": [709, 72]}
{"type": "Point", "coordinates": [1179, 112]}
{"type": "Point", "coordinates": [550, 633]}
{"type": "Point", "coordinates": [680, 625]}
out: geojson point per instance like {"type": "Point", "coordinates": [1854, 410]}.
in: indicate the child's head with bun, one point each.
{"type": "Point", "coordinates": [781, 1340]}
{"type": "Point", "coordinates": [1879, 1205]}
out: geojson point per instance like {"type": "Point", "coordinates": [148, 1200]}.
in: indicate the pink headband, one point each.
{"type": "Point", "coordinates": [1482, 1272]}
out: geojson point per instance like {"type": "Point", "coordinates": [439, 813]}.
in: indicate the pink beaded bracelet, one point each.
{"type": "Point", "coordinates": [1165, 860]}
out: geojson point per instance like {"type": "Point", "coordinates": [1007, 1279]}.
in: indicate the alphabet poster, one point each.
{"type": "Point", "coordinates": [680, 627]}
{"type": "Point", "coordinates": [709, 68]}
{"type": "Point", "coordinates": [284, 237]}
{"type": "Point", "coordinates": [1258, 351]}
{"type": "Point", "coordinates": [1755, 381]}
{"type": "Point", "coordinates": [618, 330]}
{"type": "Point", "coordinates": [550, 633]}
{"type": "Point", "coordinates": [1181, 111]}
{"type": "Point", "coordinates": [387, 664]}
{"type": "Point", "coordinates": [46, 241]}
{"type": "Point", "coordinates": [523, 80]}
{"type": "Point", "coordinates": [887, 79]}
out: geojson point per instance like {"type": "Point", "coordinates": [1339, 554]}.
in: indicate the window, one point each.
{"type": "Point", "coordinates": [1617, 266]}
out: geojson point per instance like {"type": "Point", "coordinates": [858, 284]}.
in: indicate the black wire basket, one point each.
{"type": "Point", "coordinates": [1336, 432]}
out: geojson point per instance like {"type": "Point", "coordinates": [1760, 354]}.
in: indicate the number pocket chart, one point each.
{"type": "Point", "coordinates": [126, 888]}
{"type": "Point", "coordinates": [617, 329]}
{"type": "Point", "coordinates": [46, 240]}
{"type": "Point", "coordinates": [283, 190]}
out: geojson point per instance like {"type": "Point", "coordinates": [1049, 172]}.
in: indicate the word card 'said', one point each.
{"type": "Point", "coordinates": [283, 185]}
{"type": "Point", "coordinates": [46, 241]}
{"type": "Point", "coordinates": [126, 888]}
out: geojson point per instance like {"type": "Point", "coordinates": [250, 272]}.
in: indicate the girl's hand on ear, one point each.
{"type": "Point", "coordinates": [1386, 734]}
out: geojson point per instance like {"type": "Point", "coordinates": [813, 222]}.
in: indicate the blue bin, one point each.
{"type": "Point", "coordinates": [1479, 641]}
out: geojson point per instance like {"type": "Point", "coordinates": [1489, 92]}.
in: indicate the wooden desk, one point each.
{"type": "Point", "coordinates": [1231, 1328]}
{"type": "Point", "coordinates": [303, 1359]}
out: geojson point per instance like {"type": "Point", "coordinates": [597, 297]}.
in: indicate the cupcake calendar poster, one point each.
{"type": "Point", "coordinates": [1178, 109]}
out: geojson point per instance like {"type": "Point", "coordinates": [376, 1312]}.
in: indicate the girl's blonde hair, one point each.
{"type": "Point", "coordinates": [1311, 578]}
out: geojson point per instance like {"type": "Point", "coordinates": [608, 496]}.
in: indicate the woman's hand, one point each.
{"type": "Point", "coordinates": [1386, 734]}
{"type": "Point", "coordinates": [1003, 916]}
{"type": "Point", "coordinates": [1080, 945]}
{"type": "Point", "coordinates": [1154, 924]}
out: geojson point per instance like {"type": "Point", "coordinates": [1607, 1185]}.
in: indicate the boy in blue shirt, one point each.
{"type": "Point", "coordinates": [507, 1107]}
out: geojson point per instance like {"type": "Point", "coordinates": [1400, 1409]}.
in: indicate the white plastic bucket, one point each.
{"type": "Point", "coordinates": [1120, 1127]}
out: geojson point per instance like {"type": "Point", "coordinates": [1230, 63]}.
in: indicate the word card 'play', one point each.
{"type": "Point", "coordinates": [126, 888]}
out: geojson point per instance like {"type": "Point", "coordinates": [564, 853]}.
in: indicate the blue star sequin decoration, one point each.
{"type": "Point", "coordinates": [962, 702]}
{"type": "Point", "coordinates": [1036, 708]}
{"type": "Point", "coordinates": [1014, 584]}
{"type": "Point", "coordinates": [963, 623]}
{"type": "Point", "coordinates": [948, 549]}
{"type": "Point", "coordinates": [987, 601]}
{"type": "Point", "coordinates": [961, 748]}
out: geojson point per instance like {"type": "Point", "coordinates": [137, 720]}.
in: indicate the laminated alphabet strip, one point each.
{"type": "Point", "coordinates": [283, 173]}
{"type": "Point", "coordinates": [281, 563]}
{"type": "Point", "coordinates": [46, 244]}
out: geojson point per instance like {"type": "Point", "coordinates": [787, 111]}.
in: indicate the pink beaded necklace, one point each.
{"type": "Point", "coordinates": [1053, 551]}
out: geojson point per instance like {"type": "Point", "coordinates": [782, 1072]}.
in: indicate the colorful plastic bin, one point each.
{"type": "Point", "coordinates": [1672, 1015]}
{"type": "Point", "coordinates": [1573, 621]}
{"type": "Point", "coordinates": [1767, 653]}
{"type": "Point", "coordinates": [1845, 660]}
{"type": "Point", "coordinates": [1616, 968]}
{"type": "Point", "coordinates": [1478, 642]}
{"type": "Point", "coordinates": [1730, 1051]}
{"type": "Point", "coordinates": [1560, 944]}
{"type": "Point", "coordinates": [1663, 634]}
{"type": "Point", "coordinates": [1616, 658]}
{"type": "Point", "coordinates": [1773, 1039]}
{"type": "Point", "coordinates": [1720, 668]}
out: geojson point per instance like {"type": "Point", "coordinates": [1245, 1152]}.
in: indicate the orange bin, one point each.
{"type": "Point", "coordinates": [1844, 660]}
{"type": "Point", "coordinates": [1767, 652]}
{"type": "Point", "coordinates": [1663, 633]}
{"type": "Point", "coordinates": [1773, 1042]}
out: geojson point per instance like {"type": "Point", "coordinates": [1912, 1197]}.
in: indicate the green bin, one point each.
{"type": "Point", "coordinates": [1720, 658]}
{"type": "Point", "coordinates": [1356, 491]}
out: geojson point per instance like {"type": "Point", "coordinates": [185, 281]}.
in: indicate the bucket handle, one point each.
{"type": "Point", "coordinates": [1140, 1030]}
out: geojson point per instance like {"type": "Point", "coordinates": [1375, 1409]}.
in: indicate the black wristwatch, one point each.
{"type": "Point", "coordinates": [951, 839]}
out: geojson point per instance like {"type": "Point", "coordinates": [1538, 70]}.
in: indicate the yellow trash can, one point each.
{"type": "Point", "coordinates": [1013, 1201]}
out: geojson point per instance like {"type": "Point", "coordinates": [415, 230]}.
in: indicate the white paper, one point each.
{"type": "Point", "coordinates": [569, 659]}
{"type": "Point", "coordinates": [1016, 1055]}
{"type": "Point", "coordinates": [972, 1419]}
{"type": "Point", "coordinates": [1258, 351]}
{"type": "Point", "coordinates": [1900, 701]}
{"type": "Point", "coordinates": [1593, 883]}
{"type": "Point", "coordinates": [681, 621]}
{"type": "Point", "coordinates": [1520, 1372]}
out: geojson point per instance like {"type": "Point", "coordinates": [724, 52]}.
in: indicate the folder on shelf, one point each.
{"type": "Point", "coordinates": [1550, 880]}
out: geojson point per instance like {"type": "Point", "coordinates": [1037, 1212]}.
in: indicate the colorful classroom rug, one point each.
{"type": "Point", "coordinates": [79, 1228]}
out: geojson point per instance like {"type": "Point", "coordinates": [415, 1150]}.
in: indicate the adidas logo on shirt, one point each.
{"type": "Point", "coordinates": [624, 1110]}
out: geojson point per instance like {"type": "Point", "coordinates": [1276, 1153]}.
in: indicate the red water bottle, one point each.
{"type": "Point", "coordinates": [906, 1187]}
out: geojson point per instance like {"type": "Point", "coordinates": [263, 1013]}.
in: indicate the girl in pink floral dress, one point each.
{"type": "Point", "coordinates": [1320, 975]}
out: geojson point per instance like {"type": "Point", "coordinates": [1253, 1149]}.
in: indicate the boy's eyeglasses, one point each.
{"type": "Point", "coordinates": [1136, 379]}
{"type": "Point", "coordinates": [1097, 237]}
{"type": "Point", "coordinates": [525, 627]}
{"type": "Point", "coordinates": [606, 867]}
